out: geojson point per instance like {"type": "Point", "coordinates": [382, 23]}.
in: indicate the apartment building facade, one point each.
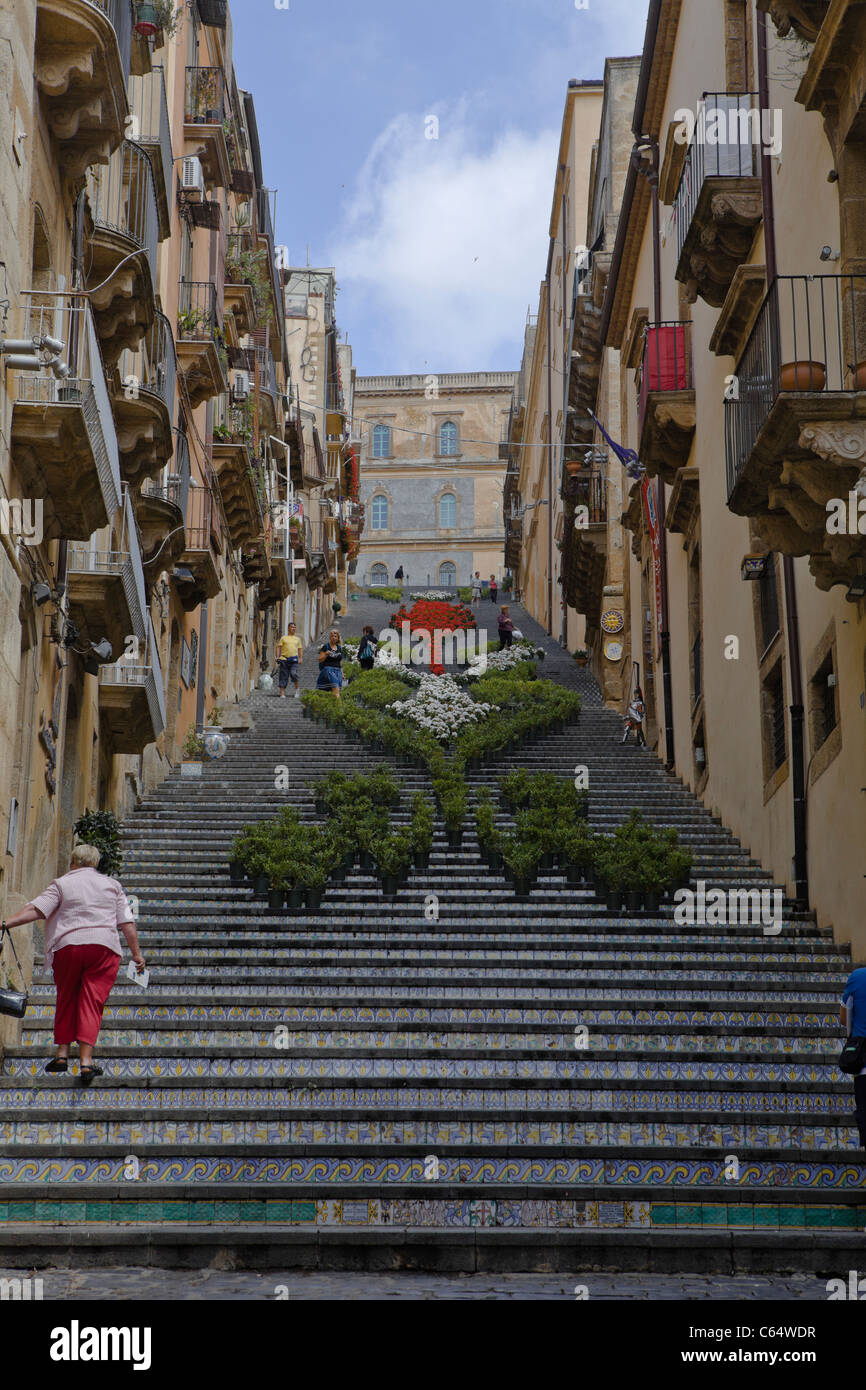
{"type": "Point", "coordinates": [727, 313]}
{"type": "Point", "coordinates": [145, 398]}
{"type": "Point", "coordinates": [431, 476]}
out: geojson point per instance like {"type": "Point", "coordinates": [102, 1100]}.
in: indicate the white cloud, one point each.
{"type": "Point", "coordinates": [445, 245]}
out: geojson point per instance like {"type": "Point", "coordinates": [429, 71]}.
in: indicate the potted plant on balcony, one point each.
{"type": "Point", "coordinates": [193, 754]}
{"type": "Point", "coordinates": [803, 376]}
{"type": "Point", "coordinates": [147, 23]}
{"type": "Point", "coordinates": [169, 17]}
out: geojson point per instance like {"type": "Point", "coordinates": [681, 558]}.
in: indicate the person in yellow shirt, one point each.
{"type": "Point", "coordinates": [290, 654]}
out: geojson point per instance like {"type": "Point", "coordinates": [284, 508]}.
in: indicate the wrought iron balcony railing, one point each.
{"type": "Point", "coordinates": [75, 377]}
{"type": "Point", "coordinates": [205, 96]}
{"type": "Point", "coordinates": [809, 336]}
{"type": "Point", "coordinates": [147, 675]}
{"type": "Point", "coordinates": [197, 311]}
{"type": "Point", "coordinates": [666, 363]}
{"type": "Point", "coordinates": [173, 484]}
{"type": "Point", "coordinates": [153, 368]}
{"type": "Point", "coordinates": [151, 125]}
{"type": "Point", "coordinates": [122, 198]}
{"type": "Point", "coordinates": [120, 14]}
{"type": "Point", "coordinates": [125, 562]}
{"type": "Point", "coordinates": [725, 144]}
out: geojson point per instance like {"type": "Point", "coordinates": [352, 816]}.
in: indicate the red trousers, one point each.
{"type": "Point", "coordinates": [84, 976]}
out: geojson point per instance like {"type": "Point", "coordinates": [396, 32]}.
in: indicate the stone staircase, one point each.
{"type": "Point", "coordinates": [374, 1086]}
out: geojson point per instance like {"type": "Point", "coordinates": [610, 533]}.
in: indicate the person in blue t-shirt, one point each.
{"type": "Point", "coordinates": [853, 1018]}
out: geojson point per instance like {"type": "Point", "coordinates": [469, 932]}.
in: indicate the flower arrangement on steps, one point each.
{"type": "Point", "coordinates": [632, 868]}
{"type": "Point", "coordinates": [522, 708]}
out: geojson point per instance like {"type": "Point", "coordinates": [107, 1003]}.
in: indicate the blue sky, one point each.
{"type": "Point", "coordinates": [439, 244]}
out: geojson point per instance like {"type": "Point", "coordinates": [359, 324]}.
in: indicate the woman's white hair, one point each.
{"type": "Point", "coordinates": [85, 856]}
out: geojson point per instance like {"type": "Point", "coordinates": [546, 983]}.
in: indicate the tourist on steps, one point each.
{"type": "Point", "coordinates": [494, 589]}
{"type": "Point", "coordinates": [634, 718]}
{"type": "Point", "coordinates": [476, 587]}
{"type": "Point", "coordinates": [853, 1017]}
{"type": "Point", "coordinates": [290, 654]}
{"type": "Point", "coordinates": [367, 648]}
{"type": "Point", "coordinates": [83, 911]}
{"type": "Point", "coordinates": [331, 664]}
{"type": "Point", "coordinates": [506, 628]}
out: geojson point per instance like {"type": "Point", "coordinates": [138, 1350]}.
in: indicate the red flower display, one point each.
{"type": "Point", "coordinates": [427, 615]}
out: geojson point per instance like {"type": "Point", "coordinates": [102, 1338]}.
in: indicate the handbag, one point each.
{"type": "Point", "coordinates": [13, 1002]}
{"type": "Point", "coordinates": [852, 1058]}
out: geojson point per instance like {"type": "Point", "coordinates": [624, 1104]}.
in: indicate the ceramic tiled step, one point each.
{"type": "Point", "coordinates": [200, 992]}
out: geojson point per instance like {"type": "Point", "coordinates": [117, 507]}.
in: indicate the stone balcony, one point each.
{"type": "Point", "coordinates": [800, 17]}
{"type": "Point", "coordinates": [795, 436]}
{"type": "Point", "coordinates": [144, 398]}
{"type": "Point", "coordinates": [834, 82]}
{"type": "Point", "coordinates": [161, 511]}
{"type": "Point", "coordinates": [666, 399]}
{"type": "Point", "coordinates": [204, 123]}
{"type": "Point", "coordinates": [63, 437]}
{"type": "Point", "coordinates": [584, 549]}
{"type": "Point", "coordinates": [718, 207]}
{"type": "Point", "coordinates": [199, 341]}
{"type": "Point", "coordinates": [132, 699]}
{"type": "Point", "coordinates": [233, 465]}
{"type": "Point", "coordinates": [83, 55]}
{"type": "Point", "coordinates": [125, 220]}
{"type": "Point", "coordinates": [197, 574]}
{"type": "Point", "coordinates": [106, 587]}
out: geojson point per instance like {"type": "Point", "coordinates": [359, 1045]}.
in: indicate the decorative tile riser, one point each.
{"type": "Point", "coordinates": [546, 1068]}
{"type": "Point", "coordinates": [462, 1214]}
{"type": "Point", "coordinates": [354, 955]}
{"type": "Point", "coordinates": [825, 1174]}
{"type": "Point", "coordinates": [265, 1040]}
{"type": "Point", "coordinates": [288, 1013]}
{"type": "Point", "coordinates": [198, 989]}
{"type": "Point", "coordinates": [282, 1133]}
{"type": "Point", "coordinates": [802, 1105]}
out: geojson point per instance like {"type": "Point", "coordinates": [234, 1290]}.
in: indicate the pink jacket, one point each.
{"type": "Point", "coordinates": [83, 908]}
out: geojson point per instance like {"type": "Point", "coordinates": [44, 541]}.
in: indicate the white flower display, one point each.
{"type": "Point", "coordinates": [434, 595]}
{"type": "Point", "coordinates": [387, 662]}
{"type": "Point", "coordinates": [441, 708]}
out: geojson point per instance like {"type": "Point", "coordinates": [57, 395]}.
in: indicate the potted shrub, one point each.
{"type": "Point", "coordinates": [421, 831]}
{"type": "Point", "coordinates": [581, 656]}
{"type": "Point", "coordinates": [521, 859]}
{"type": "Point", "coordinates": [314, 877]}
{"type": "Point", "coordinates": [102, 829]}
{"type": "Point", "coordinates": [193, 754]}
{"type": "Point", "coordinates": [392, 858]}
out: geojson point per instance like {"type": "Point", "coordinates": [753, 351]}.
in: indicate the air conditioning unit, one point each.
{"type": "Point", "coordinates": [241, 386]}
{"type": "Point", "coordinates": [192, 178]}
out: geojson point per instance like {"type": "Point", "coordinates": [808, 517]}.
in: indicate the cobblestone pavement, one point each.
{"type": "Point", "coordinates": [125, 1285]}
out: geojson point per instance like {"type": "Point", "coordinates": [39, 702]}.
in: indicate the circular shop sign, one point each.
{"type": "Point", "coordinates": [613, 651]}
{"type": "Point", "coordinates": [612, 621]}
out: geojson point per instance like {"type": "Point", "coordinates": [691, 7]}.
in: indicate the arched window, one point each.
{"type": "Point", "coordinates": [379, 576]}
{"type": "Point", "coordinates": [379, 513]}
{"type": "Point", "coordinates": [448, 438]}
{"type": "Point", "coordinates": [448, 510]}
{"type": "Point", "coordinates": [382, 442]}
{"type": "Point", "coordinates": [448, 575]}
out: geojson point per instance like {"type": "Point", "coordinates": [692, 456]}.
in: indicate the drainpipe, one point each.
{"type": "Point", "coordinates": [651, 174]}
{"type": "Point", "coordinates": [792, 619]}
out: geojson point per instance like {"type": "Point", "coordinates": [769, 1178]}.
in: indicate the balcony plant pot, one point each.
{"type": "Point", "coordinates": [803, 376]}
{"type": "Point", "coordinates": [276, 899]}
{"type": "Point", "coordinates": [295, 898]}
{"type": "Point", "coordinates": [614, 900]}
{"type": "Point", "coordinates": [314, 899]}
{"type": "Point", "coordinates": [237, 871]}
{"type": "Point", "coordinates": [633, 899]}
{"type": "Point", "coordinates": [147, 24]}
{"type": "Point", "coordinates": [859, 376]}
{"type": "Point", "coordinates": [389, 885]}
{"type": "Point", "coordinates": [261, 886]}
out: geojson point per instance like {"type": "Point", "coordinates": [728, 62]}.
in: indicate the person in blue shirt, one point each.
{"type": "Point", "coordinates": [852, 1015]}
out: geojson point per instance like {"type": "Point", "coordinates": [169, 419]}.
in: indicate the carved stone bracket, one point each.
{"type": "Point", "coordinates": [720, 237]}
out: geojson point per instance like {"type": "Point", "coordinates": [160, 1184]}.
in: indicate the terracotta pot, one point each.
{"type": "Point", "coordinates": [859, 377]}
{"type": "Point", "coordinates": [803, 376]}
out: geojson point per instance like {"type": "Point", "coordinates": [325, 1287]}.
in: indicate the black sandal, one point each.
{"type": "Point", "coordinates": [58, 1064]}
{"type": "Point", "coordinates": [88, 1073]}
